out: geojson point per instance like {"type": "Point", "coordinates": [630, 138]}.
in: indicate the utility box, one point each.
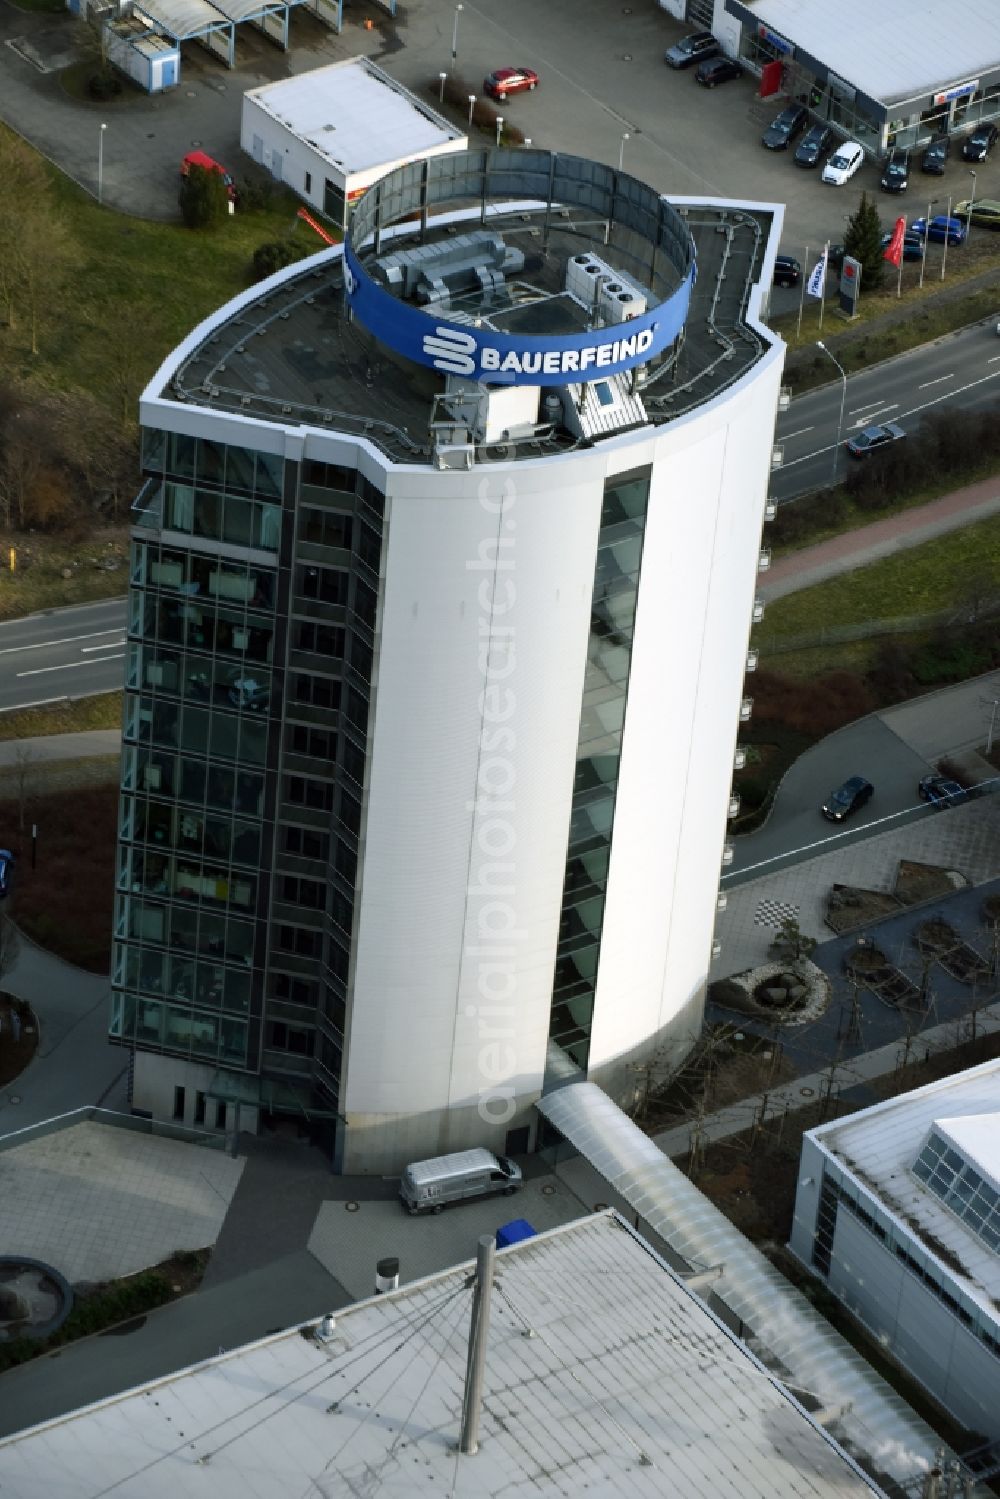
{"type": "Point", "coordinates": [513, 1233]}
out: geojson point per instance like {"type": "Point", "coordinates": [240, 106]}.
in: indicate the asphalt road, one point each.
{"type": "Point", "coordinates": [62, 653]}
{"type": "Point", "coordinates": [960, 368]}
{"type": "Point", "coordinates": [796, 828]}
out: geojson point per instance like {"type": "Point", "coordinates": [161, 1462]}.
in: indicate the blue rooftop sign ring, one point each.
{"type": "Point", "coordinates": [496, 358]}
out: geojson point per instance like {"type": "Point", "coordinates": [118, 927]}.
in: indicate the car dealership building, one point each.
{"type": "Point", "coordinates": [442, 579]}
{"type": "Point", "coordinates": [881, 74]}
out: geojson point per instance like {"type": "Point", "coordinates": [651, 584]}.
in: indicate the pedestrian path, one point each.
{"type": "Point", "coordinates": [883, 538]}
{"type": "Point", "coordinates": [832, 1081]}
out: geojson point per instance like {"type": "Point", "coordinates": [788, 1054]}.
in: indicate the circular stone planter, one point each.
{"type": "Point", "coordinates": [35, 1299]}
{"type": "Point", "coordinates": [767, 992]}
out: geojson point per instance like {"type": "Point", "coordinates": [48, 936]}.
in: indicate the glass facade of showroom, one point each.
{"type": "Point", "coordinates": [877, 125]}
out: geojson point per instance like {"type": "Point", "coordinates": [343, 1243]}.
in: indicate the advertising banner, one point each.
{"type": "Point", "coordinates": [894, 249]}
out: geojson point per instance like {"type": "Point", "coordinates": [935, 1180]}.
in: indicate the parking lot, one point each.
{"type": "Point", "coordinates": [602, 78]}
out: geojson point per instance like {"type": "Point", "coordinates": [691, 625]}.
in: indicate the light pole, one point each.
{"type": "Point", "coordinates": [442, 79]}
{"type": "Point", "coordinates": [927, 235]}
{"type": "Point", "coordinates": [843, 401]}
{"type": "Point", "coordinates": [454, 36]}
{"type": "Point", "coordinates": [947, 237]}
{"type": "Point", "coordinates": [621, 151]}
{"type": "Point", "coordinates": [499, 128]}
{"type": "Point", "coordinates": [100, 165]}
{"type": "Point", "coordinates": [472, 105]}
{"type": "Point", "coordinates": [972, 202]}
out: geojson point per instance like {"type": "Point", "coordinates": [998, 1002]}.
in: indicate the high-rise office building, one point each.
{"type": "Point", "coordinates": [442, 578]}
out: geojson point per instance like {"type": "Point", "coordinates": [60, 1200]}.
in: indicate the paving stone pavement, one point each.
{"type": "Point", "coordinates": [964, 838]}
{"type": "Point", "coordinates": [98, 1202]}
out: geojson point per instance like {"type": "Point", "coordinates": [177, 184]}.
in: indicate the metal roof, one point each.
{"type": "Point", "coordinates": [784, 1329]}
{"type": "Point", "coordinates": [184, 18]}
{"type": "Point", "coordinates": [355, 116]}
{"type": "Point", "coordinates": [604, 1375]}
{"type": "Point", "coordinates": [247, 10]}
{"type": "Point", "coordinates": [896, 50]}
{"type": "Point", "coordinates": [880, 1144]}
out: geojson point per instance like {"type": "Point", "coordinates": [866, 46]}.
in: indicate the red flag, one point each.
{"type": "Point", "coordinates": [894, 249]}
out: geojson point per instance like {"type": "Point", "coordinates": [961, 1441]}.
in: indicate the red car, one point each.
{"type": "Point", "coordinates": [504, 81]}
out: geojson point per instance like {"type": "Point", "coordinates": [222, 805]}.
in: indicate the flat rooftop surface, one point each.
{"type": "Point", "coordinates": [292, 355]}
{"type": "Point", "coordinates": [355, 115]}
{"type": "Point", "coordinates": [897, 49]}
{"type": "Point", "coordinates": [603, 1375]}
{"type": "Point", "coordinates": [881, 1144]}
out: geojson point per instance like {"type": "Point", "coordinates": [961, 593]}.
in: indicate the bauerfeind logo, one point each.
{"type": "Point", "coordinates": [451, 350]}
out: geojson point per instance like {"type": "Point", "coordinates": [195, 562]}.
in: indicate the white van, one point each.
{"type": "Point", "coordinates": [427, 1186]}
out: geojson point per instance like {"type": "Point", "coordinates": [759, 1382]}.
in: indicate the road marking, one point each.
{"type": "Point", "coordinates": [67, 666]}
{"type": "Point", "coordinates": [994, 359]}
{"type": "Point", "coordinates": [928, 383]}
{"type": "Point", "coordinates": [871, 406]}
{"type": "Point", "coordinates": [40, 702]}
{"type": "Point", "coordinates": [39, 645]}
{"type": "Point", "coordinates": [866, 421]}
{"type": "Point", "coordinates": [87, 649]}
{"type": "Point", "coordinates": [787, 436]}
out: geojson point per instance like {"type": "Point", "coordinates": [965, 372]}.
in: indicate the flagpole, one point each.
{"type": "Point", "coordinates": [947, 232]}
{"type": "Point", "coordinates": [802, 293]}
{"type": "Point", "coordinates": [822, 290]}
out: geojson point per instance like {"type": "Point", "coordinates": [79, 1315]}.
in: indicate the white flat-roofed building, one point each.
{"type": "Point", "coordinates": [332, 132]}
{"type": "Point", "coordinates": [603, 1375]}
{"type": "Point", "coordinates": [898, 1211]}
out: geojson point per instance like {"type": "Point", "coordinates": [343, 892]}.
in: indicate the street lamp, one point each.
{"type": "Point", "coordinates": [972, 202]}
{"type": "Point", "coordinates": [100, 165]}
{"type": "Point", "coordinates": [442, 79]}
{"type": "Point", "coordinates": [621, 151]}
{"type": "Point", "coordinates": [454, 36]}
{"type": "Point", "coordinates": [843, 401]}
{"type": "Point", "coordinates": [472, 105]}
{"type": "Point", "coordinates": [499, 128]}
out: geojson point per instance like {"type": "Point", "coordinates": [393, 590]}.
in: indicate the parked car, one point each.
{"type": "Point", "coordinates": [835, 257]}
{"type": "Point", "coordinates": [787, 271]}
{"type": "Point", "coordinates": [6, 871]}
{"type": "Point", "coordinates": [209, 164]}
{"type": "Point", "coordinates": [980, 143]}
{"type": "Point", "coordinates": [785, 127]}
{"type": "Point", "coordinates": [870, 439]}
{"type": "Point", "coordinates": [814, 144]}
{"type": "Point", "coordinates": [936, 155]}
{"type": "Point", "coordinates": [717, 70]}
{"type": "Point", "coordinates": [427, 1186]}
{"type": "Point", "coordinates": [504, 81]}
{"type": "Point", "coordinates": [913, 245]}
{"type": "Point", "coordinates": [982, 211]}
{"type": "Point", "coordinates": [940, 229]}
{"type": "Point", "coordinates": [843, 164]}
{"type": "Point", "coordinates": [941, 791]}
{"type": "Point", "coordinates": [691, 49]}
{"type": "Point", "coordinates": [848, 799]}
{"type": "Point", "coordinates": [896, 172]}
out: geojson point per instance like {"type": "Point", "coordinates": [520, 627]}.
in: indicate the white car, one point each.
{"type": "Point", "coordinates": [843, 163]}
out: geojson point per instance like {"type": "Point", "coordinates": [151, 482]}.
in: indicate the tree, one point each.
{"type": "Point", "coordinates": [203, 199]}
{"type": "Point", "coordinates": [863, 241]}
{"type": "Point", "coordinates": [269, 257]}
{"type": "Point", "coordinates": [790, 944]}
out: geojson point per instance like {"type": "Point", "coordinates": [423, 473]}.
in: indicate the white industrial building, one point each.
{"type": "Point", "coordinates": [332, 132]}
{"type": "Point", "coordinates": [898, 1211]}
{"type": "Point", "coordinates": [603, 1374]}
{"type": "Point", "coordinates": [435, 679]}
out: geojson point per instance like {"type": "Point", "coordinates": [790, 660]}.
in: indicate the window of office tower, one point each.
{"type": "Point", "coordinates": [212, 490]}
{"type": "Point", "coordinates": [609, 655]}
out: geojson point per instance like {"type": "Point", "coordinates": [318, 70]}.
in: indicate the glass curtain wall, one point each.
{"type": "Point", "coordinates": [609, 655]}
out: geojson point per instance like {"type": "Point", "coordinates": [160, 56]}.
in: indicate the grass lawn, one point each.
{"type": "Point", "coordinates": [101, 712]}
{"type": "Point", "coordinates": [917, 581]}
{"type": "Point", "coordinates": [37, 581]}
{"type": "Point", "coordinates": [128, 290]}
{"type": "Point", "coordinates": [65, 903]}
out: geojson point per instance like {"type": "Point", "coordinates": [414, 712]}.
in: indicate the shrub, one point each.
{"type": "Point", "coordinates": [104, 85]}
{"type": "Point", "coordinates": [203, 199]}
{"type": "Point", "coordinates": [811, 706]}
{"type": "Point", "coordinates": [797, 521]}
{"type": "Point", "coordinates": [949, 660]}
{"type": "Point", "coordinates": [753, 790]}
{"type": "Point", "coordinates": [255, 194]}
{"type": "Point", "coordinates": [270, 257]}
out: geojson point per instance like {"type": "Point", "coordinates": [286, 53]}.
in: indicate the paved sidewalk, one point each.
{"type": "Point", "coordinates": [883, 538]}
{"type": "Point", "coordinates": [803, 1091]}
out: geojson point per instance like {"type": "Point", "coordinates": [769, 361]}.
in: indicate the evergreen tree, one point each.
{"type": "Point", "coordinates": [863, 241]}
{"type": "Point", "coordinates": [203, 199]}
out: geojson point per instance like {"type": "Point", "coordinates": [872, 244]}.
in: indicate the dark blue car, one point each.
{"type": "Point", "coordinates": [941, 228]}
{"type": "Point", "coordinates": [6, 871]}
